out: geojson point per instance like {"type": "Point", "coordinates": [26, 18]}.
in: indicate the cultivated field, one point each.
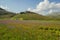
{"type": "Point", "coordinates": [29, 30]}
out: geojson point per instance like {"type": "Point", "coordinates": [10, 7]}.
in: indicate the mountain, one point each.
{"type": "Point", "coordinates": [55, 15]}
{"type": "Point", "coordinates": [5, 14]}
{"type": "Point", "coordinates": [27, 15]}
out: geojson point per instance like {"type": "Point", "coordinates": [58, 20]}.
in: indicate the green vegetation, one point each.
{"type": "Point", "coordinates": [28, 26]}
{"type": "Point", "coordinates": [27, 15]}
{"type": "Point", "coordinates": [31, 16]}
{"type": "Point", "coordinates": [28, 30]}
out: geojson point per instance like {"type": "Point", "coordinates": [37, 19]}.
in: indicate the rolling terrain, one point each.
{"type": "Point", "coordinates": [28, 26]}
{"type": "Point", "coordinates": [30, 16]}
{"type": "Point", "coordinates": [27, 15]}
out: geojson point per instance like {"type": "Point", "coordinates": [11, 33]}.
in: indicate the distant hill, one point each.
{"type": "Point", "coordinates": [55, 15]}
{"type": "Point", "coordinates": [5, 14]}
{"type": "Point", "coordinates": [27, 15]}
{"type": "Point", "coordinates": [30, 16]}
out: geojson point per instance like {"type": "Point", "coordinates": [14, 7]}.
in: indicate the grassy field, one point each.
{"type": "Point", "coordinates": [29, 30]}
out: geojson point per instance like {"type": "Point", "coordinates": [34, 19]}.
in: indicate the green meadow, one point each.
{"type": "Point", "coordinates": [28, 26]}
{"type": "Point", "coordinates": [29, 30]}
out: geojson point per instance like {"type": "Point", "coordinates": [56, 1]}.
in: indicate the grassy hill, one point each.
{"type": "Point", "coordinates": [30, 16]}
{"type": "Point", "coordinates": [27, 15]}
{"type": "Point", "coordinates": [5, 14]}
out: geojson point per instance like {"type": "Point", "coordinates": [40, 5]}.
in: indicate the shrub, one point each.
{"type": "Point", "coordinates": [41, 28]}
{"type": "Point", "coordinates": [51, 29]}
{"type": "Point", "coordinates": [46, 28]}
{"type": "Point", "coordinates": [59, 29]}
{"type": "Point", "coordinates": [56, 29]}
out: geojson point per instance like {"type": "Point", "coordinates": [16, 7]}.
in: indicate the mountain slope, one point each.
{"type": "Point", "coordinates": [27, 15]}
{"type": "Point", "coordinates": [30, 16]}
{"type": "Point", "coordinates": [5, 14]}
{"type": "Point", "coordinates": [55, 15]}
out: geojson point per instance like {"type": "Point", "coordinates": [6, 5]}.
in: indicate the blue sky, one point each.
{"type": "Point", "coordinates": [22, 5]}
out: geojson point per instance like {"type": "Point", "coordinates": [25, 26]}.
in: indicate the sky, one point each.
{"type": "Point", "coordinates": [39, 6]}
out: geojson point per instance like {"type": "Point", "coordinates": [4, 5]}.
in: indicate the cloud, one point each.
{"type": "Point", "coordinates": [4, 7]}
{"type": "Point", "coordinates": [46, 7]}
{"type": "Point", "coordinates": [29, 9]}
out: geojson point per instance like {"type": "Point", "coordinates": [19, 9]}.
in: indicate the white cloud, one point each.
{"type": "Point", "coordinates": [29, 9]}
{"type": "Point", "coordinates": [46, 7]}
{"type": "Point", "coordinates": [4, 7]}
